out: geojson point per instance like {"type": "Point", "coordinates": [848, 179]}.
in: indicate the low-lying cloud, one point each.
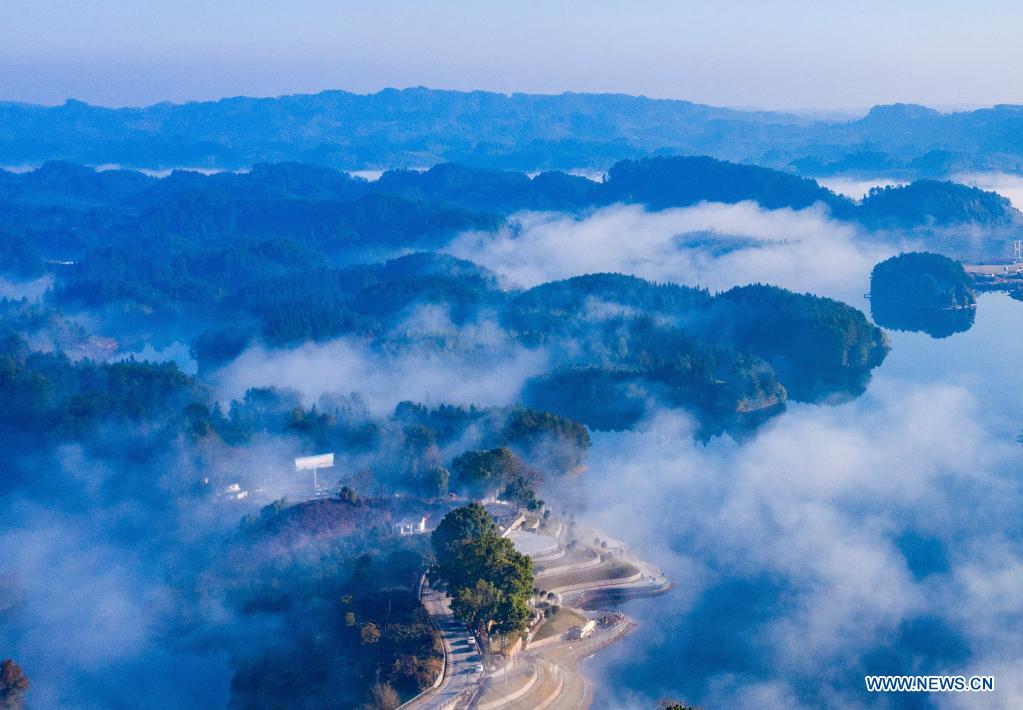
{"type": "Point", "coordinates": [1010, 186]}
{"type": "Point", "coordinates": [876, 537]}
{"type": "Point", "coordinates": [32, 291]}
{"type": "Point", "coordinates": [857, 188]}
{"type": "Point", "coordinates": [475, 365]}
{"type": "Point", "coordinates": [713, 245]}
{"type": "Point", "coordinates": [95, 618]}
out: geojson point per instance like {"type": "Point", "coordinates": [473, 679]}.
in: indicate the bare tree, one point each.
{"type": "Point", "coordinates": [385, 697]}
{"type": "Point", "coordinates": [13, 685]}
{"type": "Point", "coordinates": [672, 704]}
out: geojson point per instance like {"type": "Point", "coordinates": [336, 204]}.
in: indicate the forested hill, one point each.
{"type": "Point", "coordinates": [619, 340]}
{"type": "Point", "coordinates": [419, 127]}
{"type": "Point", "coordinates": [930, 202]}
{"type": "Point", "coordinates": [290, 253]}
{"type": "Point", "coordinates": [65, 209]}
{"type": "Point", "coordinates": [614, 343]}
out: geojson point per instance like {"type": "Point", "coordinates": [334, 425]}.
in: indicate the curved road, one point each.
{"type": "Point", "coordinates": [462, 656]}
{"type": "Point", "coordinates": [560, 684]}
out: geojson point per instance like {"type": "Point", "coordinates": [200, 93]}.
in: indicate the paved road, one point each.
{"type": "Point", "coordinates": [577, 690]}
{"type": "Point", "coordinates": [560, 684]}
{"type": "Point", "coordinates": [462, 656]}
{"type": "Point", "coordinates": [548, 682]}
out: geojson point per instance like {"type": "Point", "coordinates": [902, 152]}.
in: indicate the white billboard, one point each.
{"type": "Point", "coordinates": [310, 463]}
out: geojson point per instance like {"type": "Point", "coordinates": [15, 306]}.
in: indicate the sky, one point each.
{"type": "Point", "coordinates": [797, 54]}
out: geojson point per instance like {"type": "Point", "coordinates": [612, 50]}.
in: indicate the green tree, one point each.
{"type": "Point", "coordinates": [477, 606]}
{"type": "Point", "coordinates": [272, 509]}
{"type": "Point", "coordinates": [490, 582]}
{"type": "Point", "coordinates": [484, 472]}
{"type": "Point", "coordinates": [460, 525]}
{"type": "Point", "coordinates": [558, 442]}
{"type": "Point", "coordinates": [436, 481]}
{"type": "Point", "coordinates": [520, 491]}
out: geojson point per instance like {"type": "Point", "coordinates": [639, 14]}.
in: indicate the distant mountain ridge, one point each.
{"type": "Point", "coordinates": [418, 127]}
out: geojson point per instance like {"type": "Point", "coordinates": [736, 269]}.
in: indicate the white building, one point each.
{"type": "Point", "coordinates": [234, 492]}
{"type": "Point", "coordinates": [581, 632]}
{"type": "Point", "coordinates": [411, 526]}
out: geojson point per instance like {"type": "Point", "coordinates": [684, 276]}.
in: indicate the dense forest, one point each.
{"type": "Point", "coordinates": [936, 203]}
{"type": "Point", "coordinates": [921, 291]}
{"type": "Point", "coordinates": [154, 458]}
{"type": "Point", "coordinates": [622, 340]}
{"type": "Point", "coordinates": [61, 212]}
{"type": "Point", "coordinates": [331, 570]}
{"type": "Point", "coordinates": [923, 280]}
{"type": "Point", "coordinates": [287, 254]}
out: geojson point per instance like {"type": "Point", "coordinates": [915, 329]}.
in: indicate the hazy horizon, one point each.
{"type": "Point", "coordinates": [570, 354]}
{"type": "Point", "coordinates": [794, 57]}
{"type": "Point", "coordinates": [818, 112]}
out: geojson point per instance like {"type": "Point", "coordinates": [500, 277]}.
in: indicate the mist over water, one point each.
{"type": "Point", "coordinates": [1010, 186]}
{"type": "Point", "coordinates": [712, 245]}
{"type": "Point", "coordinates": [875, 537]}
{"type": "Point", "coordinates": [485, 368]}
{"type": "Point", "coordinates": [591, 275]}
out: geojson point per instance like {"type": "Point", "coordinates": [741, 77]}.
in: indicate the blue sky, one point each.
{"type": "Point", "coordinates": [794, 54]}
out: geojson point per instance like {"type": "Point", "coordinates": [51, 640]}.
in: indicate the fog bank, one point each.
{"type": "Point", "coordinates": [713, 245]}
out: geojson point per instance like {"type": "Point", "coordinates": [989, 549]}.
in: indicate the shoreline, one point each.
{"type": "Point", "coordinates": [545, 672]}
{"type": "Point", "coordinates": [562, 655]}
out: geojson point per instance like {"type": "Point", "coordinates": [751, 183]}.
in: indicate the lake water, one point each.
{"type": "Point", "coordinates": [878, 536]}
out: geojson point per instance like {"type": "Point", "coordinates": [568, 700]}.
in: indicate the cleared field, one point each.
{"type": "Point", "coordinates": [533, 544]}
{"type": "Point", "coordinates": [558, 624]}
{"type": "Point", "coordinates": [606, 572]}
{"type": "Point", "coordinates": [991, 269]}
{"type": "Point", "coordinates": [571, 557]}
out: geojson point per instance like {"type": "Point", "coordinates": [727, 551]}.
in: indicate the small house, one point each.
{"type": "Point", "coordinates": [411, 526]}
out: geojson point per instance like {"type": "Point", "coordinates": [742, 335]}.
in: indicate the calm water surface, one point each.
{"type": "Point", "coordinates": [921, 572]}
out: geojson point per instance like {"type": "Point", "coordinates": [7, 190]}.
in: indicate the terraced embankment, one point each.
{"type": "Point", "coordinates": [545, 674]}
